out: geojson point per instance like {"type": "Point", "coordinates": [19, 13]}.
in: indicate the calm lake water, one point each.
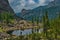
{"type": "Point", "coordinates": [25, 32]}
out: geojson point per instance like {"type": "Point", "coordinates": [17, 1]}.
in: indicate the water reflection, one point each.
{"type": "Point", "coordinates": [25, 32]}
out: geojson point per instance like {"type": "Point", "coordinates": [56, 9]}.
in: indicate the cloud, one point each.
{"type": "Point", "coordinates": [31, 2]}
{"type": "Point", "coordinates": [18, 5]}
{"type": "Point", "coordinates": [10, 1]}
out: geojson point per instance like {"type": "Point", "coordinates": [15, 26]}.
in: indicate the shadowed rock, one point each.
{"type": "Point", "coordinates": [4, 6]}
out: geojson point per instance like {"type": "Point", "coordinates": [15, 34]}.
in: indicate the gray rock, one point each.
{"type": "Point", "coordinates": [4, 6]}
{"type": "Point", "coordinates": [4, 35]}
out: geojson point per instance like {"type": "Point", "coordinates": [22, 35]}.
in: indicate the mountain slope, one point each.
{"type": "Point", "coordinates": [52, 8]}
{"type": "Point", "coordinates": [4, 6]}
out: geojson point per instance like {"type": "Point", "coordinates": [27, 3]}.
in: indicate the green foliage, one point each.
{"type": "Point", "coordinates": [6, 17]}
{"type": "Point", "coordinates": [32, 20]}
{"type": "Point", "coordinates": [55, 25]}
{"type": "Point", "coordinates": [46, 24]}
{"type": "Point", "coordinates": [37, 19]}
{"type": "Point", "coordinates": [1, 30]}
{"type": "Point", "coordinates": [51, 28]}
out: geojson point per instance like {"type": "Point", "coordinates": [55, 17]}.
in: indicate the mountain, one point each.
{"type": "Point", "coordinates": [23, 13]}
{"type": "Point", "coordinates": [54, 3]}
{"type": "Point", "coordinates": [4, 6]}
{"type": "Point", "coordinates": [53, 8]}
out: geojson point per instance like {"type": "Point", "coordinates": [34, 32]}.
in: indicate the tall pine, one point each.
{"type": "Point", "coordinates": [46, 24]}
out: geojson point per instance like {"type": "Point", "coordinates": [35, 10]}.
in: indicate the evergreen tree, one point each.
{"type": "Point", "coordinates": [46, 25]}
{"type": "Point", "coordinates": [32, 24]}
{"type": "Point", "coordinates": [37, 21]}
{"type": "Point", "coordinates": [6, 17]}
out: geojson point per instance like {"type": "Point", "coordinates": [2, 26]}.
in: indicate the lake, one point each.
{"type": "Point", "coordinates": [25, 32]}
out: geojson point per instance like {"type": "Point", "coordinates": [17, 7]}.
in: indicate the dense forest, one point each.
{"type": "Point", "coordinates": [51, 28]}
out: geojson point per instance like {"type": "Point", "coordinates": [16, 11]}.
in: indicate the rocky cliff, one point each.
{"type": "Point", "coordinates": [4, 6]}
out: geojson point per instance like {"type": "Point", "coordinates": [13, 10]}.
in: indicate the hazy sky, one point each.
{"type": "Point", "coordinates": [18, 5]}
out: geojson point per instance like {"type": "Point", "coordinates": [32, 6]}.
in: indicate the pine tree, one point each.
{"type": "Point", "coordinates": [37, 20]}
{"type": "Point", "coordinates": [32, 23]}
{"type": "Point", "coordinates": [46, 25]}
